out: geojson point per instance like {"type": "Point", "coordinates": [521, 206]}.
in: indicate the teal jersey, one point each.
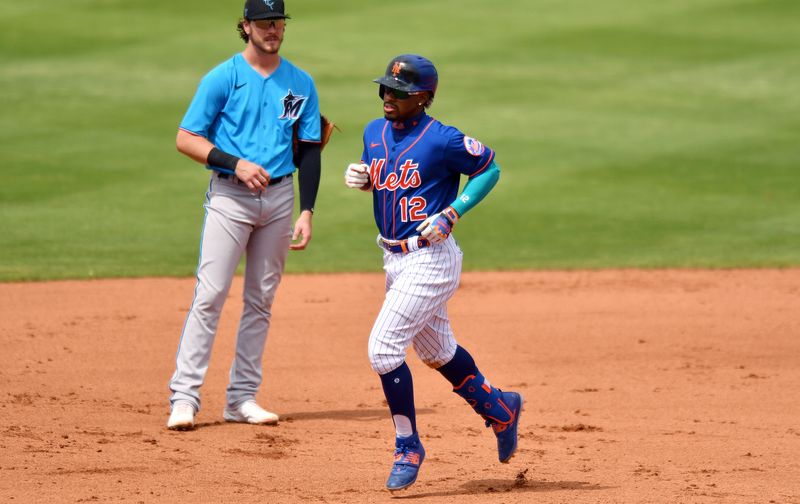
{"type": "Point", "coordinates": [251, 116]}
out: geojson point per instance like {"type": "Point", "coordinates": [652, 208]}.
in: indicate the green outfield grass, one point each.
{"type": "Point", "coordinates": [630, 133]}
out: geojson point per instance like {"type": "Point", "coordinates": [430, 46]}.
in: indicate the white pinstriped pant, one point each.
{"type": "Point", "coordinates": [418, 286]}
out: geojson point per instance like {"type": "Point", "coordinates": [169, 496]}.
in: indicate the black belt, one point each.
{"type": "Point", "coordinates": [235, 179]}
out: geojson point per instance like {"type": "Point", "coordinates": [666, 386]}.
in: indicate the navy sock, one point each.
{"type": "Point", "coordinates": [398, 387]}
{"type": "Point", "coordinates": [460, 366]}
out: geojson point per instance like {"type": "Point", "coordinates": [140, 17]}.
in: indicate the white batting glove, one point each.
{"type": "Point", "coordinates": [438, 227]}
{"type": "Point", "coordinates": [357, 176]}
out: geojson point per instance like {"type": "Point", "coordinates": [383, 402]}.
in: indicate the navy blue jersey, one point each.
{"type": "Point", "coordinates": [415, 170]}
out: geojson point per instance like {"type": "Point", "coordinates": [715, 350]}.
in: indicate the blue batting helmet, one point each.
{"type": "Point", "coordinates": [410, 73]}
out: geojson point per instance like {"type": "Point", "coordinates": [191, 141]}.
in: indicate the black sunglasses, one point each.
{"type": "Point", "coordinates": [400, 95]}
{"type": "Point", "coordinates": [266, 24]}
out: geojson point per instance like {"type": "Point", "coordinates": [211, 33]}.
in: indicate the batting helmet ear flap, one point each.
{"type": "Point", "coordinates": [381, 91]}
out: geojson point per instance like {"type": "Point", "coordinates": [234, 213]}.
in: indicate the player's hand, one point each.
{"type": "Point", "coordinates": [302, 231]}
{"type": "Point", "coordinates": [356, 176]}
{"type": "Point", "coordinates": [438, 227]}
{"type": "Point", "coordinates": [254, 176]}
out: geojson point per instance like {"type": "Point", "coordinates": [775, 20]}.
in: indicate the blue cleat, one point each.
{"type": "Point", "coordinates": [506, 432]}
{"type": "Point", "coordinates": [408, 456]}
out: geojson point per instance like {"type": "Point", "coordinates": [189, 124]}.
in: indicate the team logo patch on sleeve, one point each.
{"type": "Point", "coordinates": [473, 146]}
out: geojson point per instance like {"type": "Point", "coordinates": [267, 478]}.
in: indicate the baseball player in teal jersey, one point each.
{"type": "Point", "coordinates": [240, 125]}
{"type": "Point", "coordinates": [412, 164]}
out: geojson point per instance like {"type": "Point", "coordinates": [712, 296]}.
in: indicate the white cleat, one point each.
{"type": "Point", "coordinates": [250, 412]}
{"type": "Point", "coordinates": [182, 417]}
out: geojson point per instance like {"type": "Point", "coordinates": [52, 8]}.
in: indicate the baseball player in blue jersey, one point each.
{"type": "Point", "coordinates": [240, 125]}
{"type": "Point", "coordinates": [412, 164]}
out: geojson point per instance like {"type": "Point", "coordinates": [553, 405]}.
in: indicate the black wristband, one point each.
{"type": "Point", "coordinates": [222, 159]}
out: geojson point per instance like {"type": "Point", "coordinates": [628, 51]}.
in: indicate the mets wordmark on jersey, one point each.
{"type": "Point", "coordinates": [415, 170]}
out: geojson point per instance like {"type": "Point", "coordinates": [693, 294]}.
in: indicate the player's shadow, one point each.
{"type": "Point", "coordinates": [206, 425]}
{"type": "Point", "coordinates": [363, 415]}
{"type": "Point", "coordinates": [351, 414]}
{"type": "Point", "coordinates": [506, 487]}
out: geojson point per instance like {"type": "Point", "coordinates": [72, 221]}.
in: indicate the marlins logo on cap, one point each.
{"type": "Point", "coordinates": [255, 10]}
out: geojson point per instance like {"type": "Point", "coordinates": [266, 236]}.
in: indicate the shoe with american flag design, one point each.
{"type": "Point", "coordinates": [408, 456]}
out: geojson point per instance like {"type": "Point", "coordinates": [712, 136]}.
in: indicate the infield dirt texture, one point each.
{"type": "Point", "coordinates": [631, 134]}
{"type": "Point", "coordinates": [640, 387]}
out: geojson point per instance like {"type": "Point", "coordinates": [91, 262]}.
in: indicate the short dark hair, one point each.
{"type": "Point", "coordinates": [240, 28]}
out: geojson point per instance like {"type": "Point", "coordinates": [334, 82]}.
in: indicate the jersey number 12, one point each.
{"type": "Point", "coordinates": [412, 209]}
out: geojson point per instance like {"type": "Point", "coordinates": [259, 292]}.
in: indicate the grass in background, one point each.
{"type": "Point", "coordinates": [630, 134]}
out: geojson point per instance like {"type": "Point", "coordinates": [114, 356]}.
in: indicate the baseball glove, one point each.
{"type": "Point", "coordinates": [326, 128]}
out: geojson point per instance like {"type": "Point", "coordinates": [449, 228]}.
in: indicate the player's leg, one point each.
{"type": "Point", "coordinates": [266, 257]}
{"type": "Point", "coordinates": [500, 410]}
{"type": "Point", "coordinates": [437, 347]}
{"type": "Point", "coordinates": [418, 284]}
{"type": "Point", "coordinates": [221, 246]}
{"type": "Point", "coordinates": [387, 352]}
{"type": "Point", "coordinates": [418, 287]}
{"type": "Point", "coordinates": [398, 388]}
{"type": "Point", "coordinates": [435, 344]}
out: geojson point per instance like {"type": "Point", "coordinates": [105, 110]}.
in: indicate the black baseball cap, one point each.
{"type": "Point", "coordinates": [264, 9]}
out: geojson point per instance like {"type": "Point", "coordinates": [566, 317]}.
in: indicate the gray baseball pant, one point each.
{"type": "Point", "coordinates": [236, 222]}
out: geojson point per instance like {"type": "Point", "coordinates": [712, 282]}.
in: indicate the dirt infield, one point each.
{"type": "Point", "coordinates": [666, 386]}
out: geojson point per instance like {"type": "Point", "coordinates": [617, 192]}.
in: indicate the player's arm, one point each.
{"type": "Point", "coordinates": [476, 189]}
{"type": "Point", "coordinates": [437, 227]}
{"type": "Point", "coordinates": [309, 169]}
{"type": "Point", "coordinates": [200, 149]}
{"type": "Point", "coordinates": [309, 166]}
{"type": "Point", "coordinates": [193, 145]}
{"type": "Point", "coordinates": [193, 133]}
